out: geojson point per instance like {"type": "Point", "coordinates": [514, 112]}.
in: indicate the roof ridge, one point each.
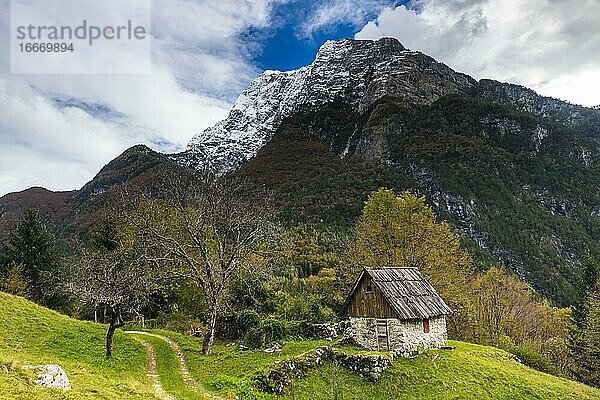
{"type": "Point", "coordinates": [408, 293]}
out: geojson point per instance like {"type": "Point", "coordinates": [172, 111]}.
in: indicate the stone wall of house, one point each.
{"type": "Point", "coordinates": [364, 332]}
{"type": "Point", "coordinates": [404, 337]}
{"type": "Point", "coordinates": [408, 336]}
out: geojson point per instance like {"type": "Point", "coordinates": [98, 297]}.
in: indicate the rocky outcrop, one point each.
{"type": "Point", "coordinates": [524, 99]}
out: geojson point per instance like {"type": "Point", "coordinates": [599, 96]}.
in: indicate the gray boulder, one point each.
{"type": "Point", "coordinates": [52, 376]}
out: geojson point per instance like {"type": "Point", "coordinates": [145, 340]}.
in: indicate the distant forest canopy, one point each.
{"type": "Point", "coordinates": [284, 277]}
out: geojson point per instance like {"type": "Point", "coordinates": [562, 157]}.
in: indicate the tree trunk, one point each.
{"type": "Point", "coordinates": [115, 322]}
{"type": "Point", "coordinates": [109, 338]}
{"type": "Point", "coordinates": [210, 332]}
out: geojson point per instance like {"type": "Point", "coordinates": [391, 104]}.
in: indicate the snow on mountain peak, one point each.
{"type": "Point", "coordinates": [357, 71]}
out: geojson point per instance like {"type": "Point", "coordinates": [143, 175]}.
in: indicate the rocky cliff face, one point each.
{"type": "Point", "coordinates": [357, 71]}
{"type": "Point", "coordinates": [525, 99]}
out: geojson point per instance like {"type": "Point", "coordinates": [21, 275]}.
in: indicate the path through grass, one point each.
{"type": "Point", "coordinates": [171, 368]}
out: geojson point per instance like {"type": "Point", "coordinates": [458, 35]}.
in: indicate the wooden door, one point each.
{"type": "Point", "coordinates": [382, 335]}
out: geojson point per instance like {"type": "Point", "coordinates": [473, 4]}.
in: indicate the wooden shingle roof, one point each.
{"type": "Point", "coordinates": [406, 292]}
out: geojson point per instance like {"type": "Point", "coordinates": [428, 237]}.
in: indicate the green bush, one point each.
{"type": "Point", "coordinates": [247, 320]}
{"type": "Point", "coordinates": [268, 331]}
{"type": "Point", "coordinates": [528, 354]}
{"type": "Point", "coordinates": [255, 338]}
{"type": "Point", "coordinates": [273, 329]}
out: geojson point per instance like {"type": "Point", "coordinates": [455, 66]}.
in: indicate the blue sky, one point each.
{"type": "Point", "coordinates": [285, 45]}
{"type": "Point", "coordinates": [58, 130]}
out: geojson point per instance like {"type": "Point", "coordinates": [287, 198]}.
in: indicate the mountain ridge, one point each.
{"type": "Point", "coordinates": [516, 174]}
{"type": "Point", "coordinates": [361, 71]}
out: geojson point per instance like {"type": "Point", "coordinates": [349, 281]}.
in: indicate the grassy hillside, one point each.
{"type": "Point", "coordinates": [469, 371]}
{"type": "Point", "coordinates": [30, 334]}
{"type": "Point", "coordinates": [33, 335]}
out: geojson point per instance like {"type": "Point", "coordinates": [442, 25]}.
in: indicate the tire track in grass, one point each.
{"type": "Point", "coordinates": [182, 365]}
{"type": "Point", "coordinates": [152, 374]}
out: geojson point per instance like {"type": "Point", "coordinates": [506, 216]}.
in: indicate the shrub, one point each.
{"type": "Point", "coordinates": [247, 320]}
{"type": "Point", "coordinates": [273, 330]}
{"type": "Point", "coordinates": [266, 332]}
{"type": "Point", "coordinates": [528, 353]}
{"type": "Point", "coordinates": [255, 338]}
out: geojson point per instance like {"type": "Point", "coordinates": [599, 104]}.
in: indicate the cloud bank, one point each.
{"type": "Point", "coordinates": [328, 14]}
{"type": "Point", "coordinates": [551, 46]}
{"type": "Point", "coordinates": [58, 130]}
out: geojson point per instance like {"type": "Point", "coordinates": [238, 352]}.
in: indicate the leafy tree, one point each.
{"type": "Point", "coordinates": [113, 275]}
{"type": "Point", "coordinates": [508, 314]}
{"type": "Point", "coordinates": [30, 258]}
{"type": "Point", "coordinates": [403, 232]}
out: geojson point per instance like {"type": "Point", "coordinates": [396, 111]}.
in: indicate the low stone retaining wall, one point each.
{"type": "Point", "coordinates": [282, 373]}
{"type": "Point", "coordinates": [327, 330]}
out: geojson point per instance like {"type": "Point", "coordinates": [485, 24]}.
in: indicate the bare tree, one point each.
{"type": "Point", "coordinates": [205, 229]}
{"type": "Point", "coordinates": [113, 276]}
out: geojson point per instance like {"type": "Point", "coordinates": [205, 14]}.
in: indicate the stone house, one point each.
{"type": "Point", "coordinates": [396, 309]}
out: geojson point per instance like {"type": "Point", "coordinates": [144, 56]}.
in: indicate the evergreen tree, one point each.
{"type": "Point", "coordinates": [584, 335]}
{"type": "Point", "coordinates": [31, 250]}
{"type": "Point", "coordinates": [589, 275]}
{"type": "Point", "coordinates": [584, 340]}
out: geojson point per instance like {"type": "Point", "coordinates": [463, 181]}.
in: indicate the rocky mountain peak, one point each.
{"type": "Point", "coordinates": [357, 72]}
{"type": "Point", "coordinates": [350, 50]}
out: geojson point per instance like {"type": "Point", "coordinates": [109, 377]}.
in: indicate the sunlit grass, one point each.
{"type": "Point", "coordinates": [33, 335]}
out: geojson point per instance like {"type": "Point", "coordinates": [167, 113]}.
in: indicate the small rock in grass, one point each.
{"type": "Point", "coordinates": [52, 376]}
{"type": "Point", "coordinates": [273, 349]}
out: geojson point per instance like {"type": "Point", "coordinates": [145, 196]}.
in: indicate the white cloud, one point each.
{"type": "Point", "coordinates": [333, 12]}
{"type": "Point", "coordinates": [199, 65]}
{"type": "Point", "coordinates": [552, 46]}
